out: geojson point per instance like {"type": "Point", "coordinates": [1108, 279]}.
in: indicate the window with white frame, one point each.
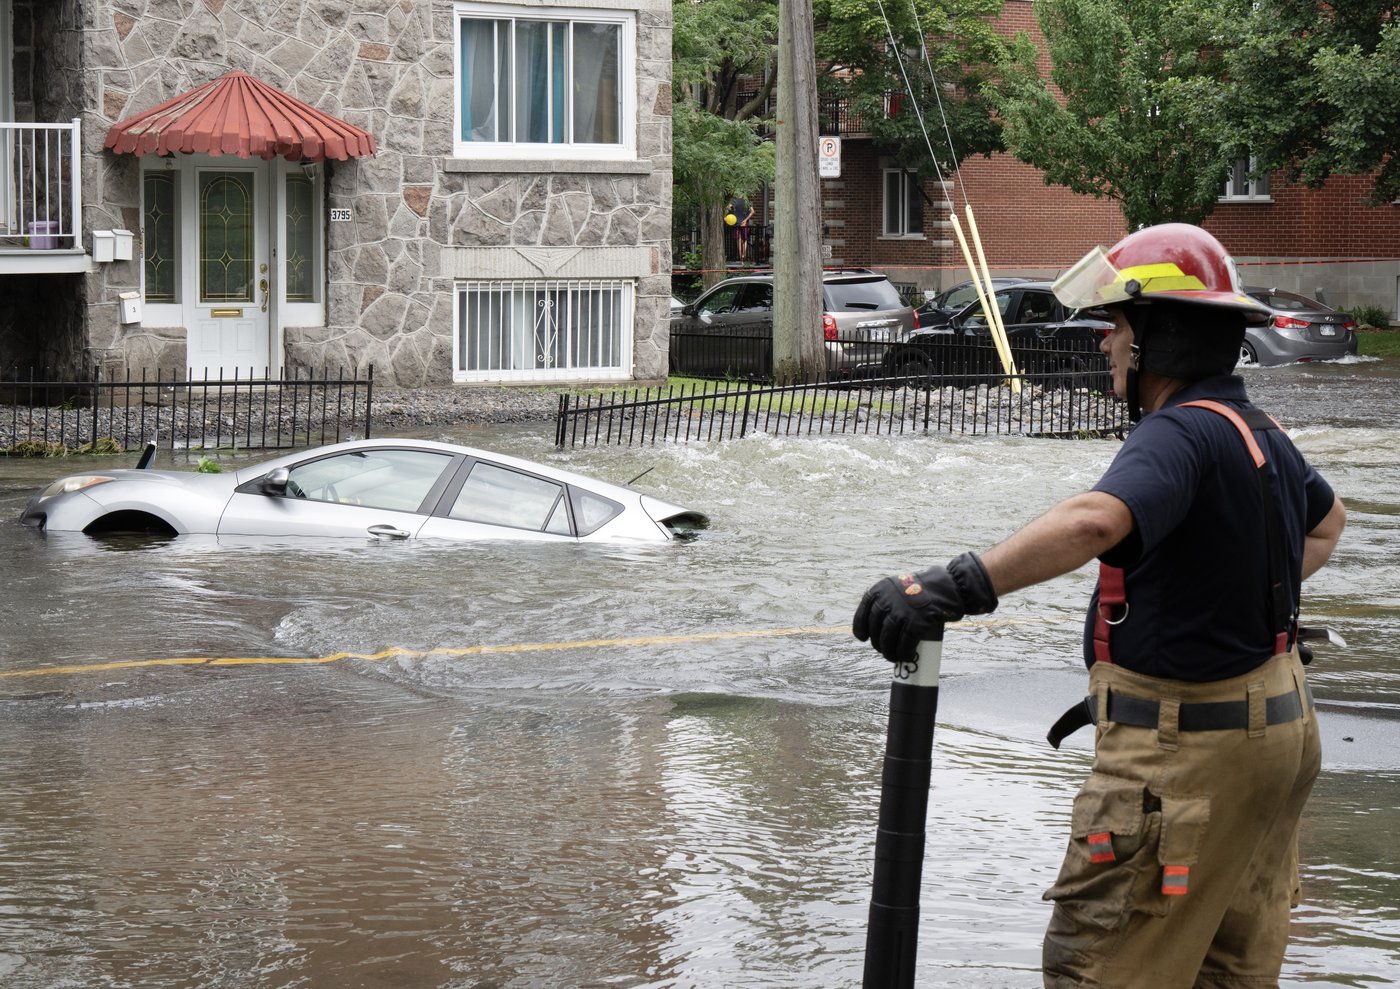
{"type": "Point", "coordinates": [544, 329]}
{"type": "Point", "coordinates": [545, 81]}
{"type": "Point", "coordinates": [1239, 186]}
{"type": "Point", "coordinates": [903, 204]}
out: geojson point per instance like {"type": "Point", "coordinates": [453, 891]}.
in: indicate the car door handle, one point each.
{"type": "Point", "coordinates": [388, 532]}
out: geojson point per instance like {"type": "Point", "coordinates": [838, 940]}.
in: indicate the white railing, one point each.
{"type": "Point", "coordinates": [41, 203]}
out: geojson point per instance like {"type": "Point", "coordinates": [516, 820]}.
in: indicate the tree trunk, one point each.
{"type": "Point", "coordinates": [713, 232]}
{"type": "Point", "coordinates": [798, 354]}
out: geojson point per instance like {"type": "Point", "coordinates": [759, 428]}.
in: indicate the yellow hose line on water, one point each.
{"type": "Point", "coordinates": [396, 651]}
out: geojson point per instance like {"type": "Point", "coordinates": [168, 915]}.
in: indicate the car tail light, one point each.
{"type": "Point", "coordinates": [828, 327]}
{"type": "Point", "coordinates": [916, 319]}
{"type": "Point", "coordinates": [1289, 323]}
{"type": "Point", "coordinates": [1348, 325]}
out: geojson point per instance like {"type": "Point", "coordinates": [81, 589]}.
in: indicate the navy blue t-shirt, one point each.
{"type": "Point", "coordinates": [1196, 566]}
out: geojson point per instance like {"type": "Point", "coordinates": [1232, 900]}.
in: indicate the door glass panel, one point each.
{"type": "Point", "coordinates": [160, 229]}
{"type": "Point", "coordinates": [499, 496]}
{"type": "Point", "coordinates": [394, 479]}
{"type": "Point", "coordinates": [301, 239]}
{"type": "Point", "coordinates": [225, 237]}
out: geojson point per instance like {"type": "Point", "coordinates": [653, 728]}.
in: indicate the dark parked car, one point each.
{"type": "Point", "coordinates": [1045, 338]}
{"type": "Point", "coordinates": [729, 329]}
{"type": "Point", "coordinates": [938, 310]}
{"type": "Point", "coordinates": [1299, 329]}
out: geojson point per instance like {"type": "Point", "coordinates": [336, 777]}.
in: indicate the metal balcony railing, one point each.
{"type": "Point", "coordinates": [41, 204]}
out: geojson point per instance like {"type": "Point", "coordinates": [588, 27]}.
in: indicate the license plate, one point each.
{"type": "Point", "coordinates": [879, 336]}
{"type": "Point", "coordinates": [1328, 331]}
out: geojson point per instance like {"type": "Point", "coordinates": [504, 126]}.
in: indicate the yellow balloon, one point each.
{"type": "Point", "coordinates": [730, 219]}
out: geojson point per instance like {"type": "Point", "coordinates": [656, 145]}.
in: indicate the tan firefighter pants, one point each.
{"type": "Point", "coordinates": [1182, 865]}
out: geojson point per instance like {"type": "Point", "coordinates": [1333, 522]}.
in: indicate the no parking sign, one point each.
{"type": "Point", "coordinates": [829, 157]}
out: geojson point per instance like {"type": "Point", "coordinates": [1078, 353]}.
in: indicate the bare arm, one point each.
{"type": "Point", "coordinates": [1063, 539]}
{"type": "Point", "coordinates": [1319, 544]}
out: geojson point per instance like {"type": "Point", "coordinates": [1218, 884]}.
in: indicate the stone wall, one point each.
{"type": "Point", "coordinates": [422, 218]}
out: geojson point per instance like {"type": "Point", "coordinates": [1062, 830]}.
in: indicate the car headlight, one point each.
{"type": "Point", "coordinates": [67, 485]}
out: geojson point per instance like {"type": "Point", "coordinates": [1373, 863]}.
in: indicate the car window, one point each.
{"type": "Point", "coordinates": [1290, 302]}
{"type": "Point", "coordinates": [592, 510]}
{"type": "Point", "coordinates": [398, 480]}
{"type": "Point", "coordinates": [722, 300]}
{"type": "Point", "coordinates": [757, 297]}
{"type": "Point", "coordinates": [497, 495]}
{"type": "Point", "coordinates": [1035, 307]}
{"type": "Point", "coordinates": [865, 295]}
{"type": "Point", "coordinates": [975, 317]}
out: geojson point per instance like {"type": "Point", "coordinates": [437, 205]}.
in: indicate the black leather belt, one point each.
{"type": "Point", "coordinates": [1204, 716]}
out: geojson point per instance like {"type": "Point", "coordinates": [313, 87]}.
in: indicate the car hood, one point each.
{"type": "Point", "coordinates": [188, 501]}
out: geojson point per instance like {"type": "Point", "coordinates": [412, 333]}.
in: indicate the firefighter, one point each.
{"type": "Point", "coordinates": [1182, 860]}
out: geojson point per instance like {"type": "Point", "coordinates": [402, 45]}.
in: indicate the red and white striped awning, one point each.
{"type": "Point", "coordinates": [239, 114]}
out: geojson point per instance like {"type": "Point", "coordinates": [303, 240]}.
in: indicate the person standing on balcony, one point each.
{"type": "Point", "coordinates": [1182, 863]}
{"type": "Point", "coordinates": [742, 212]}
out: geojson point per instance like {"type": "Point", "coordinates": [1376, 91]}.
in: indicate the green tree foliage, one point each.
{"type": "Point", "coordinates": [1313, 88]}
{"type": "Point", "coordinates": [943, 52]}
{"type": "Point", "coordinates": [1120, 115]}
{"type": "Point", "coordinates": [717, 46]}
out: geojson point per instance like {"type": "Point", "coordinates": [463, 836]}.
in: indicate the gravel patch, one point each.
{"type": "Point", "coordinates": [412, 408]}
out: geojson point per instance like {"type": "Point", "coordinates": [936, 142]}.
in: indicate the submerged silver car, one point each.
{"type": "Point", "coordinates": [379, 489]}
{"type": "Point", "coordinates": [1298, 329]}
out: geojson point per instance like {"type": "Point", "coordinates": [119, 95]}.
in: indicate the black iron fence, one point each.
{"type": "Point", "coordinates": [1059, 404]}
{"type": "Point", "coordinates": [740, 353]}
{"type": "Point", "coordinates": [41, 415]}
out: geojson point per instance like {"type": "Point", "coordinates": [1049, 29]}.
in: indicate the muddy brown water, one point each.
{"type": "Point", "coordinates": [683, 794]}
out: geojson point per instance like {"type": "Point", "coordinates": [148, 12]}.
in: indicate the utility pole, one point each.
{"type": "Point", "coordinates": [798, 354]}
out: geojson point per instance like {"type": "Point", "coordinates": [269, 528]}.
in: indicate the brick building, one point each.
{"type": "Point", "coordinates": [1281, 235]}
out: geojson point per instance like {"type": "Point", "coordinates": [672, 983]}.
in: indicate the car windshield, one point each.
{"type": "Point", "coordinates": [959, 297]}
{"type": "Point", "coordinates": [872, 293]}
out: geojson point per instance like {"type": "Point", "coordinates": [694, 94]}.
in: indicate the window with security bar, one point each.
{"type": "Point", "coordinates": [546, 329]}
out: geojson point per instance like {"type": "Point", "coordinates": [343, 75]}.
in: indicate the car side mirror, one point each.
{"type": "Point", "coordinates": [275, 482]}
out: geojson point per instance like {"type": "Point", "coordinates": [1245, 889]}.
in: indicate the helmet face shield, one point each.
{"type": "Point", "coordinates": [1095, 281]}
{"type": "Point", "coordinates": [1079, 287]}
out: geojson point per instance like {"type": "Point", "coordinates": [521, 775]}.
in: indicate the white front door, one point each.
{"type": "Point", "coordinates": [233, 253]}
{"type": "Point", "coordinates": [228, 253]}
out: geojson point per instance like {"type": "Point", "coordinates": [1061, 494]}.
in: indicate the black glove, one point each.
{"type": "Point", "coordinates": [898, 613]}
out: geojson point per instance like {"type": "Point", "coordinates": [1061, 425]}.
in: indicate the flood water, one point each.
{"type": "Point", "coordinates": [569, 766]}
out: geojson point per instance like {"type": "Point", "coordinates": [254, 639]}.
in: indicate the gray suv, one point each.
{"type": "Point", "coordinates": [728, 330]}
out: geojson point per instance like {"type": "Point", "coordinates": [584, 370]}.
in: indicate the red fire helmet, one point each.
{"type": "Point", "coordinates": [1171, 261]}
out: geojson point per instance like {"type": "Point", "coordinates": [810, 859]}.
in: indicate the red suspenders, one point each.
{"type": "Point", "coordinates": [1113, 592]}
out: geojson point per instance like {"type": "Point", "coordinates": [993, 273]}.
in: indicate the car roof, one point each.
{"type": "Point", "coordinates": [828, 275]}
{"type": "Point", "coordinates": [528, 466]}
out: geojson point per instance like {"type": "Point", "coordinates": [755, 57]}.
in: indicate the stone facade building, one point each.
{"type": "Point", "coordinates": [512, 223]}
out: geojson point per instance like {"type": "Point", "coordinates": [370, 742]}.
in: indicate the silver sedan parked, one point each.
{"type": "Point", "coordinates": [381, 489]}
{"type": "Point", "coordinates": [1298, 329]}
